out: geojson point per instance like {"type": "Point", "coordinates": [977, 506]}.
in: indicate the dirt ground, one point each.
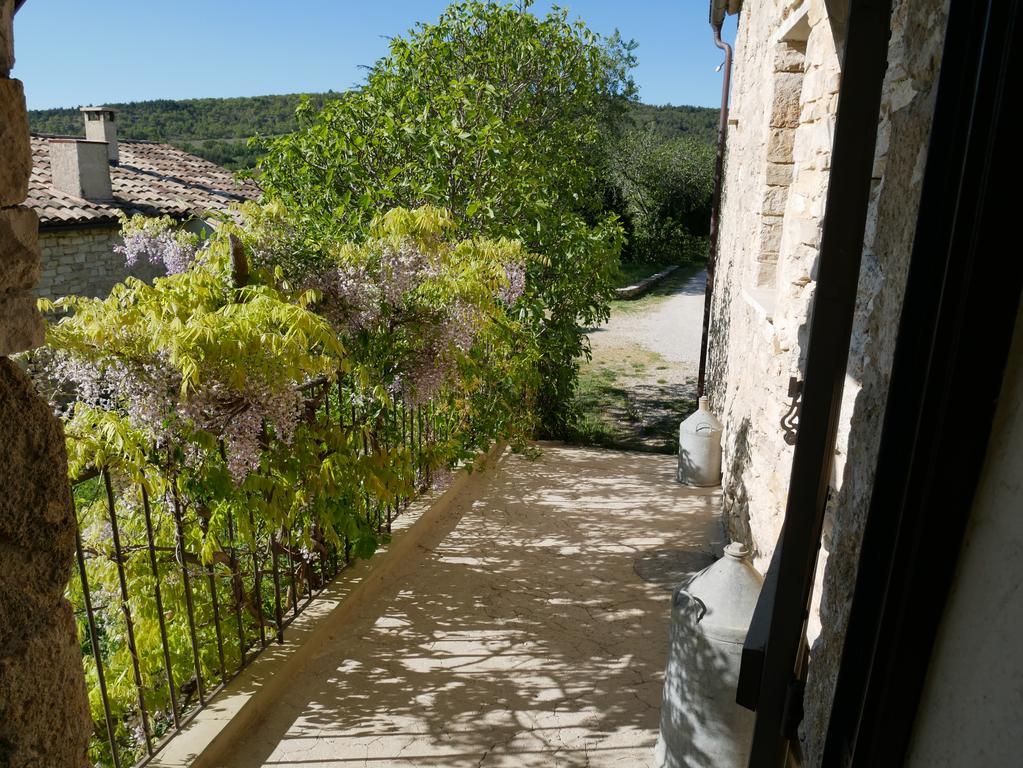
{"type": "Point", "coordinates": [641, 380]}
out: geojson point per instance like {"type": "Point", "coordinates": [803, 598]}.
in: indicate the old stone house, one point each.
{"type": "Point", "coordinates": [789, 175]}
{"type": "Point", "coordinates": [80, 186]}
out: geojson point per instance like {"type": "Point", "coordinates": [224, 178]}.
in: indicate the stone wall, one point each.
{"type": "Point", "coordinates": [787, 76]}
{"type": "Point", "coordinates": [776, 181]}
{"type": "Point", "coordinates": [907, 109]}
{"type": "Point", "coordinates": [83, 262]}
{"type": "Point", "coordinates": [44, 716]}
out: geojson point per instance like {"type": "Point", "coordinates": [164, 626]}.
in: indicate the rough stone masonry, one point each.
{"type": "Point", "coordinates": [787, 75]}
{"type": "Point", "coordinates": [44, 714]}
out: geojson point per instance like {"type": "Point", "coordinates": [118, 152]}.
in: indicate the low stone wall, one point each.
{"type": "Point", "coordinates": [644, 285]}
{"type": "Point", "coordinates": [82, 262]}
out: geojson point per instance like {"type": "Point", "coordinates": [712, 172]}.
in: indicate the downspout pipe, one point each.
{"type": "Point", "coordinates": [717, 20]}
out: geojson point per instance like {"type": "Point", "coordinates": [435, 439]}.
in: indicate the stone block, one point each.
{"type": "Point", "coordinates": [789, 58]}
{"type": "Point", "coordinates": [15, 150]}
{"type": "Point", "coordinates": [774, 201]}
{"type": "Point", "coordinates": [785, 100]}
{"type": "Point", "coordinates": [832, 82]}
{"type": "Point", "coordinates": [822, 108]}
{"type": "Point", "coordinates": [816, 13]}
{"type": "Point", "coordinates": [19, 253]}
{"type": "Point", "coordinates": [809, 182]}
{"type": "Point", "coordinates": [766, 272]}
{"type": "Point", "coordinates": [779, 174]}
{"type": "Point", "coordinates": [779, 146]}
{"type": "Point", "coordinates": [6, 36]}
{"type": "Point", "coordinates": [821, 50]}
{"type": "Point", "coordinates": [802, 231]}
{"type": "Point", "coordinates": [812, 141]}
{"type": "Point", "coordinates": [770, 233]}
{"type": "Point", "coordinates": [803, 264]}
{"type": "Point", "coordinates": [813, 83]}
{"type": "Point", "coordinates": [806, 111]}
{"type": "Point", "coordinates": [21, 325]}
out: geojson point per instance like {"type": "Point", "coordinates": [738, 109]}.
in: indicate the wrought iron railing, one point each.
{"type": "Point", "coordinates": [183, 619]}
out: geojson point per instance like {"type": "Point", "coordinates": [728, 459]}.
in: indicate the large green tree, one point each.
{"type": "Point", "coordinates": [662, 191]}
{"type": "Point", "coordinates": [495, 114]}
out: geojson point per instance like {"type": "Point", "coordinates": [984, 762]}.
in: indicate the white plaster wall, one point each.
{"type": "Point", "coordinates": [969, 712]}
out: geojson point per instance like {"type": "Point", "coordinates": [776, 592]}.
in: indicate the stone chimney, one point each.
{"type": "Point", "coordinates": [101, 125]}
{"type": "Point", "coordinates": [81, 168]}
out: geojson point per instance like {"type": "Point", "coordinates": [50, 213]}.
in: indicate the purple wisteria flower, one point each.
{"type": "Point", "coordinates": [163, 249]}
{"type": "Point", "coordinates": [516, 275]}
{"type": "Point", "coordinates": [157, 241]}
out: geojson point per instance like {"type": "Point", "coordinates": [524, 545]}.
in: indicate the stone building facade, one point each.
{"type": "Point", "coordinates": [781, 122]}
{"type": "Point", "coordinates": [787, 74]}
{"type": "Point", "coordinates": [44, 714]}
{"type": "Point", "coordinates": [82, 262]}
{"type": "Point", "coordinates": [80, 187]}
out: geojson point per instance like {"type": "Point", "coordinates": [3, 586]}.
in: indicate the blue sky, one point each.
{"type": "Point", "coordinates": [71, 52]}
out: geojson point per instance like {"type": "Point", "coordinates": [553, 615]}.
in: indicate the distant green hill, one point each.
{"type": "Point", "coordinates": [673, 122]}
{"type": "Point", "coordinates": [217, 129]}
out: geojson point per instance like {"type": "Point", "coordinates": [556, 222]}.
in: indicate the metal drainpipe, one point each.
{"type": "Point", "coordinates": [715, 214]}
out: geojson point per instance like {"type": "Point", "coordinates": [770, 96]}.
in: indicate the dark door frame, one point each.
{"type": "Point", "coordinates": [774, 655]}
{"type": "Point", "coordinates": [961, 305]}
{"type": "Point", "coordinates": [959, 312]}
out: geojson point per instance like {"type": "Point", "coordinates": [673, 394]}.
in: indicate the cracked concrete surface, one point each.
{"type": "Point", "coordinates": [520, 634]}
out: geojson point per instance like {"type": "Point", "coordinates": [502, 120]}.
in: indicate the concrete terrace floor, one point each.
{"type": "Point", "coordinates": [530, 630]}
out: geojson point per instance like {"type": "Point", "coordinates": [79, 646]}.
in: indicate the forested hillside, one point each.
{"type": "Point", "coordinates": [671, 122]}
{"type": "Point", "coordinates": [218, 129]}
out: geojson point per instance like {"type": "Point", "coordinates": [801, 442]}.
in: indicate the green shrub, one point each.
{"type": "Point", "coordinates": [496, 115]}
{"type": "Point", "coordinates": [193, 395]}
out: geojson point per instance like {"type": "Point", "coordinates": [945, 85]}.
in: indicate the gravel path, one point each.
{"type": "Point", "coordinates": [668, 321]}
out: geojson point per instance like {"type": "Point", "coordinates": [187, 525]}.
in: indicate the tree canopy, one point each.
{"type": "Point", "coordinates": [499, 116]}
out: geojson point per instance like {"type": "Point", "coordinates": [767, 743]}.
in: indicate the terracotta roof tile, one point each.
{"type": "Point", "coordinates": [151, 178]}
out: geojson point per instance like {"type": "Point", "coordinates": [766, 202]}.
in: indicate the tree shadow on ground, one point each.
{"type": "Point", "coordinates": [521, 635]}
{"type": "Point", "coordinates": [634, 416]}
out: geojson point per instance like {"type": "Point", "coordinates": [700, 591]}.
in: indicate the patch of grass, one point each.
{"type": "Point", "coordinates": [592, 430]}
{"type": "Point", "coordinates": [620, 406]}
